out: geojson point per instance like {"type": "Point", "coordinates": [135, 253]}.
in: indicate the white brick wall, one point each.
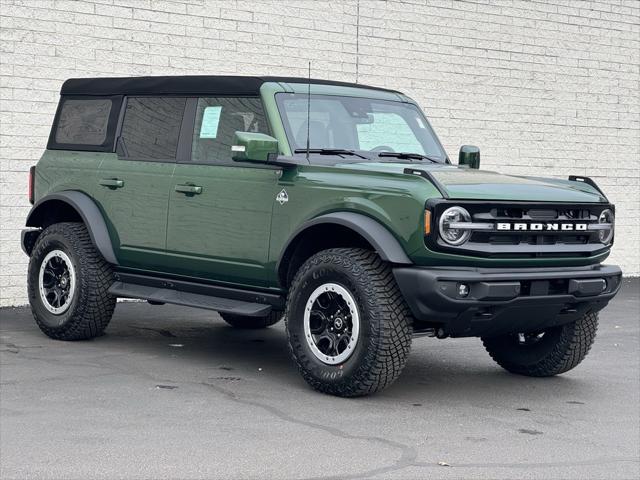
{"type": "Point", "coordinates": [543, 87]}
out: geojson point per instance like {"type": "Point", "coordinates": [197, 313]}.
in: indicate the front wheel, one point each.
{"type": "Point", "coordinates": [348, 326]}
{"type": "Point", "coordinates": [545, 353]}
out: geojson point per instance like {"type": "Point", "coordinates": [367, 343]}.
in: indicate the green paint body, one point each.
{"type": "Point", "coordinates": [234, 231]}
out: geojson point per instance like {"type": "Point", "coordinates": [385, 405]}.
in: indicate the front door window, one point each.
{"type": "Point", "coordinates": [217, 120]}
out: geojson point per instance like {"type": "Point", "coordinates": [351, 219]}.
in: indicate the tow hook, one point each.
{"type": "Point", "coordinates": [431, 332]}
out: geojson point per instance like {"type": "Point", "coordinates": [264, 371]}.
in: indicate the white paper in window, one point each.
{"type": "Point", "coordinates": [210, 122]}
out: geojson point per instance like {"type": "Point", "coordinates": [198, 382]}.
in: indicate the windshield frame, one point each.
{"type": "Point", "coordinates": [372, 156]}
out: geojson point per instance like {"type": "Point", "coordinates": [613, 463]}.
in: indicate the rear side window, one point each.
{"type": "Point", "coordinates": [85, 123]}
{"type": "Point", "coordinates": [217, 120]}
{"type": "Point", "coordinates": [151, 128]}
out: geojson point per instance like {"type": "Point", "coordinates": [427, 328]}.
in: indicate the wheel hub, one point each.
{"type": "Point", "coordinates": [331, 323]}
{"type": "Point", "coordinates": [56, 282]}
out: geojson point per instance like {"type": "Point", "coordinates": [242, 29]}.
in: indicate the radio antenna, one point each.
{"type": "Point", "coordinates": [308, 111]}
{"type": "Point", "coordinates": [357, 39]}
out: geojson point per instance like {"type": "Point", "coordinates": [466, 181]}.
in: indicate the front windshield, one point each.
{"type": "Point", "coordinates": [364, 125]}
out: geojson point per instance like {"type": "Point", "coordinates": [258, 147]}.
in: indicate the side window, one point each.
{"type": "Point", "coordinates": [217, 120]}
{"type": "Point", "coordinates": [85, 123]}
{"type": "Point", "coordinates": [151, 128]}
{"type": "Point", "coordinates": [376, 133]}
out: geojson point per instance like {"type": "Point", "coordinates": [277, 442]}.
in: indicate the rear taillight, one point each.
{"type": "Point", "coordinates": [32, 180]}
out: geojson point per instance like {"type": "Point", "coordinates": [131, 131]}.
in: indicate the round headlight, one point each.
{"type": "Point", "coordinates": [606, 217]}
{"type": "Point", "coordinates": [454, 236]}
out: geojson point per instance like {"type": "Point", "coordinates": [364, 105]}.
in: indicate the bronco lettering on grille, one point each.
{"type": "Point", "coordinates": [542, 227]}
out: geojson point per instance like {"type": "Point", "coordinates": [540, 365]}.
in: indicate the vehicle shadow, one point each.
{"type": "Point", "coordinates": [438, 371]}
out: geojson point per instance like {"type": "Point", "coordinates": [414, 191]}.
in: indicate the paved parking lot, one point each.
{"type": "Point", "coordinates": [172, 392]}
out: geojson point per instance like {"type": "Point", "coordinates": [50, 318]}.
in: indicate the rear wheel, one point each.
{"type": "Point", "coordinates": [544, 353]}
{"type": "Point", "coordinates": [67, 282]}
{"type": "Point", "coordinates": [348, 325]}
{"type": "Point", "coordinates": [240, 321]}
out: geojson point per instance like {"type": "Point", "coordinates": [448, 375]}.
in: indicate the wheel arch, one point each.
{"type": "Point", "coordinates": [69, 206]}
{"type": "Point", "coordinates": [338, 229]}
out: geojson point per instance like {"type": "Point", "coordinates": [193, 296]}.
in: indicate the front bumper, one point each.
{"type": "Point", "coordinates": [505, 300]}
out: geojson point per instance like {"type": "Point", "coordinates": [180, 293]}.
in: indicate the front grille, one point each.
{"type": "Point", "coordinates": [535, 213]}
{"type": "Point", "coordinates": [524, 244]}
{"type": "Point", "coordinates": [542, 239]}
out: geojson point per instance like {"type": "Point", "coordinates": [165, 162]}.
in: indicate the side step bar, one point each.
{"type": "Point", "coordinates": [220, 299]}
{"type": "Point", "coordinates": [165, 295]}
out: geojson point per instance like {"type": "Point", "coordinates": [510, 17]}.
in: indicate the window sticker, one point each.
{"type": "Point", "coordinates": [420, 124]}
{"type": "Point", "coordinates": [210, 121]}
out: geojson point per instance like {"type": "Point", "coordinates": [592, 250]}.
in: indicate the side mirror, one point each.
{"type": "Point", "coordinates": [253, 147]}
{"type": "Point", "coordinates": [469, 156]}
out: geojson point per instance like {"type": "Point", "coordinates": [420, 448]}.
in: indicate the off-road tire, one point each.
{"type": "Point", "coordinates": [385, 322]}
{"type": "Point", "coordinates": [91, 306]}
{"type": "Point", "coordinates": [252, 323]}
{"type": "Point", "coordinates": [563, 349]}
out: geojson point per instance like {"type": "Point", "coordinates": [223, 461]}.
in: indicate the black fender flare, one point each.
{"type": "Point", "coordinates": [380, 238]}
{"type": "Point", "coordinates": [88, 211]}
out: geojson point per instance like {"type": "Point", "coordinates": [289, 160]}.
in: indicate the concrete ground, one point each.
{"type": "Point", "coordinates": [173, 392]}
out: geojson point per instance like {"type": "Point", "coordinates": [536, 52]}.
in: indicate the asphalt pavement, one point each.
{"type": "Point", "coordinates": [172, 392]}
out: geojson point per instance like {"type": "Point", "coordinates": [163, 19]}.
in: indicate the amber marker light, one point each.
{"type": "Point", "coordinates": [427, 222]}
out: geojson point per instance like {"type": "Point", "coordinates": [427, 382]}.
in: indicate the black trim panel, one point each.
{"type": "Point", "coordinates": [186, 85]}
{"type": "Point", "coordinates": [505, 300]}
{"type": "Point", "coordinates": [28, 239]}
{"type": "Point", "coordinates": [588, 181]}
{"type": "Point", "coordinates": [429, 176]}
{"type": "Point", "coordinates": [375, 233]}
{"type": "Point", "coordinates": [88, 211]}
{"type": "Point", "coordinates": [208, 290]}
{"type": "Point", "coordinates": [167, 295]}
{"type": "Point", "coordinates": [185, 140]}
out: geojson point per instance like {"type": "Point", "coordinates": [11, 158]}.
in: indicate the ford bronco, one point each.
{"type": "Point", "coordinates": [331, 205]}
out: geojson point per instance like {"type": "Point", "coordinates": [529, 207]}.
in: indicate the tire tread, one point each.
{"type": "Point", "coordinates": [573, 346]}
{"type": "Point", "coordinates": [393, 332]}
{"type": "Point", "coordinates": [94, 275]}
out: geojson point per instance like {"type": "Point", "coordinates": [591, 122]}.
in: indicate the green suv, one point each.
{"type": "Point", "coordinates": [331, 205]}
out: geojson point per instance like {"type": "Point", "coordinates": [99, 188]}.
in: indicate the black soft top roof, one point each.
{"type": "Point", "coordinates": [184, 85]}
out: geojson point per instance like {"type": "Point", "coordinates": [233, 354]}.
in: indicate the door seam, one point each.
{"type": "Point", "coordinates": [166, 218]}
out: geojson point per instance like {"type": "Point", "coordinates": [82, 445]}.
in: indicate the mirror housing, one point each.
{"type": "Point", "coordinates": [469, 156]}
{"type": "Point", "coordinates": [253, 147]}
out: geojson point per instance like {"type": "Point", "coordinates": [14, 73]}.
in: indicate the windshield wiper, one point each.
{"type": "Point", "coordinates": [330, 151]}
{"type": "Point", "coordinates": [408, 156]}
